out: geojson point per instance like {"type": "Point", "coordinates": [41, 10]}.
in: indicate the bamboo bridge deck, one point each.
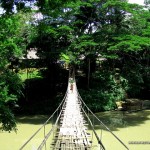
{"type": "Point", "coordinates": [72, 133]}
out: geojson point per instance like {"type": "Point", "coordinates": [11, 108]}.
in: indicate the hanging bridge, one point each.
{"type": "Point", "coordinates": [70, 128]}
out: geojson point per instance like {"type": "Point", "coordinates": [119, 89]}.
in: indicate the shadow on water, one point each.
{"type": "Point", "coordinates": [34, 119]}
{"type": "Point", "coordinates": [120, 119]}
{"type": "Point", "coordinates": [112, 119]}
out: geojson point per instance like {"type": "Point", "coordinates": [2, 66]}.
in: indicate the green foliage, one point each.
{"type": "Point", "coordinates": [13, 42]}
{"type": "Point", "coordinates": [9, 93]}
{"type": "Point", "coordinates": [112, 32]}
{"type": "Point", "coordinates": [4, 95]}
{"type": "Point", "coordinates": [9, 5]}
{"type": "Point", "coordinates": [65, 58]}
{"type": "Point", "coordinates": [7, 119]}
{"type": "Point", "coordinates": [6, 116]}
{"type": "Point", "coordinates": [130, 43]}
{"type": "Point", "coordinates": [32, 73]}
{"type": "Point", "coordinates": [105, 91]}
{"type": "Point", "coordinates": [138, 79]}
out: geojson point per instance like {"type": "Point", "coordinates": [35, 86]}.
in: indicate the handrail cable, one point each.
{"type": "Point", "coordinates": [102, 122]}
{"type": "Point", "coordinates": [60, 108]}
{"type": "Point", "coordinates": [45, 122]}
{"type": "Point", "coordinates": [98, 139]}
{"type": "Point", "coordinates": [98, 118]}
{"type": "Point", "coordinates": [49, 133]}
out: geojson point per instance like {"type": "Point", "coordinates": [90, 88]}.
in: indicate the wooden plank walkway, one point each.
{"type": "Point", "coordinates": [72, 133]}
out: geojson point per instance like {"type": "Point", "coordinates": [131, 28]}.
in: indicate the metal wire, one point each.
{"type": "Point", "coordinates": [60, 108]}
{"type": "Point", "coordinates": [61, 104]}
{"type": "Point", "coordinates": [102, 122]}
{"type": "Point", "coordinates": [49, 133]}
{"type": "Point", "coordinates": [99, 141]}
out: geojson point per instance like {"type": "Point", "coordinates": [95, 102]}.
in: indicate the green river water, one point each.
{"type": "Point", "coordinates": [129, 127]}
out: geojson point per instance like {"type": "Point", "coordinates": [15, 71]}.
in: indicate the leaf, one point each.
{"type": "Point", "coordinates": [65, 57]}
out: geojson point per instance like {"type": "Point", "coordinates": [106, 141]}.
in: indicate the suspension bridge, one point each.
{"type": "Point", "coordinates": [70, 128]}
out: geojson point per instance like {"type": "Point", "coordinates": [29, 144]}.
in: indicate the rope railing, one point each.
{"type": "Point", "coordinates": [100, 121]}
{"type": "Point", "coordinates": [49, 133]}
{"type": "Point", "coordinates": [46, 122]}
{"type": "Point", "coordinates": [87, 116]}
{"type": "Point", "coordinates": [98, 139]}
{"type": "Point", "coordinates": [59, 111]}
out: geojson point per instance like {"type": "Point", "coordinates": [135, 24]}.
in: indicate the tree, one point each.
{"type": "Point", "coordinates": [115, 30]}
{"type": "Point", "coordinates": [130, 48]}
{"type": "Point", "coordinates": [146, 2]}
{"type": "Point", "coordinates": [12, 46]}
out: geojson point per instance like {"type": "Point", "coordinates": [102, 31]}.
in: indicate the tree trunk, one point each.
{"type": "Point", "coordinates": [89, 70]}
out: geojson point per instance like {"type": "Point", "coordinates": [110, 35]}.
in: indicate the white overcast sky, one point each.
{"type": "Point", "coordinates": [140, 2]}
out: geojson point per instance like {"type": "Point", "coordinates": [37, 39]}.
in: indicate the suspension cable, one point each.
{"type": "Point", "coordinates": [98, 118]}
{"type": "Point", "coordinates": [102, 122]}
{"type": "Point", "coordinates": [49, 133]}
{"type": "Point", "coordinates": [98, 139]}
{"type": "Point", "coordinates": [62, 102]}
{"type": "Point", "coordinates": [57, 109]}
{"type": "Point", "coordinates": [60, 108]}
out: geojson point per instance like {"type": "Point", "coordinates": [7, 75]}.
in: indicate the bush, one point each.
{"type": "Point", "coordinates": [105, 91]}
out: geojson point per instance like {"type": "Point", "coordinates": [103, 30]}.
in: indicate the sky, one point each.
{"type": "Point", "coordinates": [140, 2]}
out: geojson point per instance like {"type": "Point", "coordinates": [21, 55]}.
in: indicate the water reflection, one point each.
{"type": "Point", "coordinates": [122, 119]}
{"type": "Point", "coordinates": [133, 126]}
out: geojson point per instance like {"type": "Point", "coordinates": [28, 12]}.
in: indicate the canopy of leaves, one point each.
{"type": "Point", "coordinates": [14, 36]}
{"type": "Point", "coordinates": [113, 33]}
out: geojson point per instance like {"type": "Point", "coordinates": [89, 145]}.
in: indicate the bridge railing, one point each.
{"type": "Point", "coordinates": [46, 132]}
{"type": "Point", "coordinates": [86, 111]}
{"type": "Point", "coordinates": [58, 113]}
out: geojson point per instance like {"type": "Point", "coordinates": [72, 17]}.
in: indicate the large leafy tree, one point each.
{"type": "Point", "coordinates": [109, 28]}
{"type": "Point", "coordinates": [8, 51]}
{"type": "Point", "coordinates": [14, 37]}
{"type": "Point", "coordinates": [132, 50]}
{"type": "Point", "coordinates": [113, 29]}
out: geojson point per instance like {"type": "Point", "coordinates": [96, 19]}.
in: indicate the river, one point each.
{"type": "Point", "coordinates": [132, 128]}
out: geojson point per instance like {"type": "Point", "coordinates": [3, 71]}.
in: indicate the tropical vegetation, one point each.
{"type": "Point", "coordinates": [106, 41]}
